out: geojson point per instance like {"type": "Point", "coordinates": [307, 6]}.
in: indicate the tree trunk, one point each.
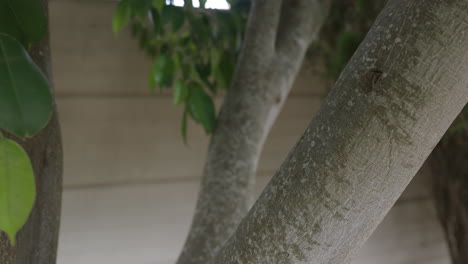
{"type": "Point", "coordinates": [277, 38]}
{"type": "Point", "coordinates": [391, 105]}
{"type": "Point", "coordinates": [449, 163]}
{"type": "Point", "coordinates": [37, 241]}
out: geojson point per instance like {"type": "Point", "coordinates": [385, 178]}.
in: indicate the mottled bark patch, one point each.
{"type": "Point", "coordinates": [370, 80]}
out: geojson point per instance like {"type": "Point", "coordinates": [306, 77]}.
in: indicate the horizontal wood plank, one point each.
{"type": "Point", "coordinates": [147, 223]}
{"type": "Point", "coordinates": [115, 141]}
{"type": "Point", "coordinates": [88, 59]}
{"type": "Point", "coordinates": [121, 140]}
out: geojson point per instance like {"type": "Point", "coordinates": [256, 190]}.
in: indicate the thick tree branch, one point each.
{"type": "Point", "coordinates": [391, 105]}
{"type": "Point", "coordinates": [259, 88]}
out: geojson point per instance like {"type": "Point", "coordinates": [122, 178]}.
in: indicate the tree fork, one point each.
{"type": "Point", "coordinates": [277, 37]}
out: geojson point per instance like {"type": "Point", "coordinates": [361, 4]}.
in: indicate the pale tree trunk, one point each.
{"type": "Point", "coordinates": [37, 241]}
{"type": "Point", "coordinates": [390, 106]}
{"type": "Point", "coordinates": [278, 35]}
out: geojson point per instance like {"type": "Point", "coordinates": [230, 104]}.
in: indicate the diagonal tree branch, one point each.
{"type": "Point", "coordinates": [398, 95]}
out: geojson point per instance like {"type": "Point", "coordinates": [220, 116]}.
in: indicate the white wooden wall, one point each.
{"type": "Point", "coordinates": [130, 182]}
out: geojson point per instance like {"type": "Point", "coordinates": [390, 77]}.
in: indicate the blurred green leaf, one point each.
{"type": "Point", "coordinates": [224, 74]}
{"type": "Point", "coordinates": [201, 107]}
{"type": "Point", "coordinates": [199, 28]}
{"type": "Point", "coordinates": [188, 3]}
{"type": "Point", "coordinates": [174, 15]}
{"type": "Point", "coordinates": [342, 32]}
{"type": "Point", "coordinates": [457, 126]}
{"type": "Point", "coordinates": [156, 21]}
{"type": "Point", "coordinates": [140, 8]}
{"type": "Point", "coordinates": [121, 17]}
{"type": "Point", "coordinates": [347, 43]}
{"type": "Point", "coordinates": [215, 58]}
{"type": "Point", "coordinates": [159, 4]}
{"type": "Point", "coordinates": [199, 47]}
{"type": "Point", "coordinates": [181, 92]}
{"type": "Point", "coordinates": [17, 187]}
{"type": "Point", "coordinates": [204, 71]}
{"type": "Point", "coordinates": [143, 38]}
{"type": "Point", "coordinates": [30, 18]}
{"type": "Point", "coordinates": [184, 125]}
{"type": "Point", "coordinates": [25, 99]}
{"type": "Point", "coordinates": [162, 72]}
{"type": "Point", "coordinates": [8, 22]}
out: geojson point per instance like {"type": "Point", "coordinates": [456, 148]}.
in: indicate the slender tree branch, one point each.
{"type": "Point", "coordinates": [299, 24]}
{"type": "Point", "coordinates": [393, 102]}
{"type": "Point", "coordinates": [260, 85]}
{"type": "Point", "coordinates": [262, 27]}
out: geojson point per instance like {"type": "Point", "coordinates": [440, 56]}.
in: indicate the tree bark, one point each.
{"type": "Point", "coordinates": [37, 241]}
{"type": "Point", "coordinates": [277, 37]}
{"type": "Point", "coordinates": [390, 106]}
{"type": "Point", "coordinates": [449, 164]}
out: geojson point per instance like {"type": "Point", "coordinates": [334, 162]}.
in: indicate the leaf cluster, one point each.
{"type": "Point", "coordinates": [194, 50]}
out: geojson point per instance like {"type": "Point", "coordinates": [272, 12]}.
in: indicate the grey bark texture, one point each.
{"type": "Point", "coordinates": [390, 106]}
{"type": "Point", "coordinates": [277, 37]}
{"type": "Point", "coordinates": [37, 241]}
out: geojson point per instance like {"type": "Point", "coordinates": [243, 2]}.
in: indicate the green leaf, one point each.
{"type": "Point", "coordinates": [184, 125]}
{"type": "Point", "coordinates": [186, 70]}
{"type": "Point", "coordinates": [180, 92]}
{"type": "Point", "coordinates": [17, 187]}
{"type": "Point", "coordinates": [140, 7]}
{"type": "Point", "coordinates": [30, 18]}
{"type": "Point", "coordinates": [156, 21]}
{"type": "Point", "coordinates": [25, 99]}
{"type": "Point", "coordinates": [162, 72]}
{"type": "Point", "coordinates": [214, 59]}
{"type": "Point", "coordinates": [174, 15]}
{"type": "Point", "coordinates": [188, 3]}
{"type": "Point", "coordinates": [8, 22]}
{"type": "Point", "coordinates": [200, 28]}
{"type": "Point", "coordinates": [457, 126]}
{"type": "Point", "coordinates": [202, 72]}
{"type": "Point", "coordinates": [121, 17]}
{"type": "Point", "coordinates": [347, 43]}
{"type": "Point", "coordinates": [201, 107]}
{"type": "Point", "coordinates": [159, 4]}
{"type": "Point", "coordinates": [224, 74]}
